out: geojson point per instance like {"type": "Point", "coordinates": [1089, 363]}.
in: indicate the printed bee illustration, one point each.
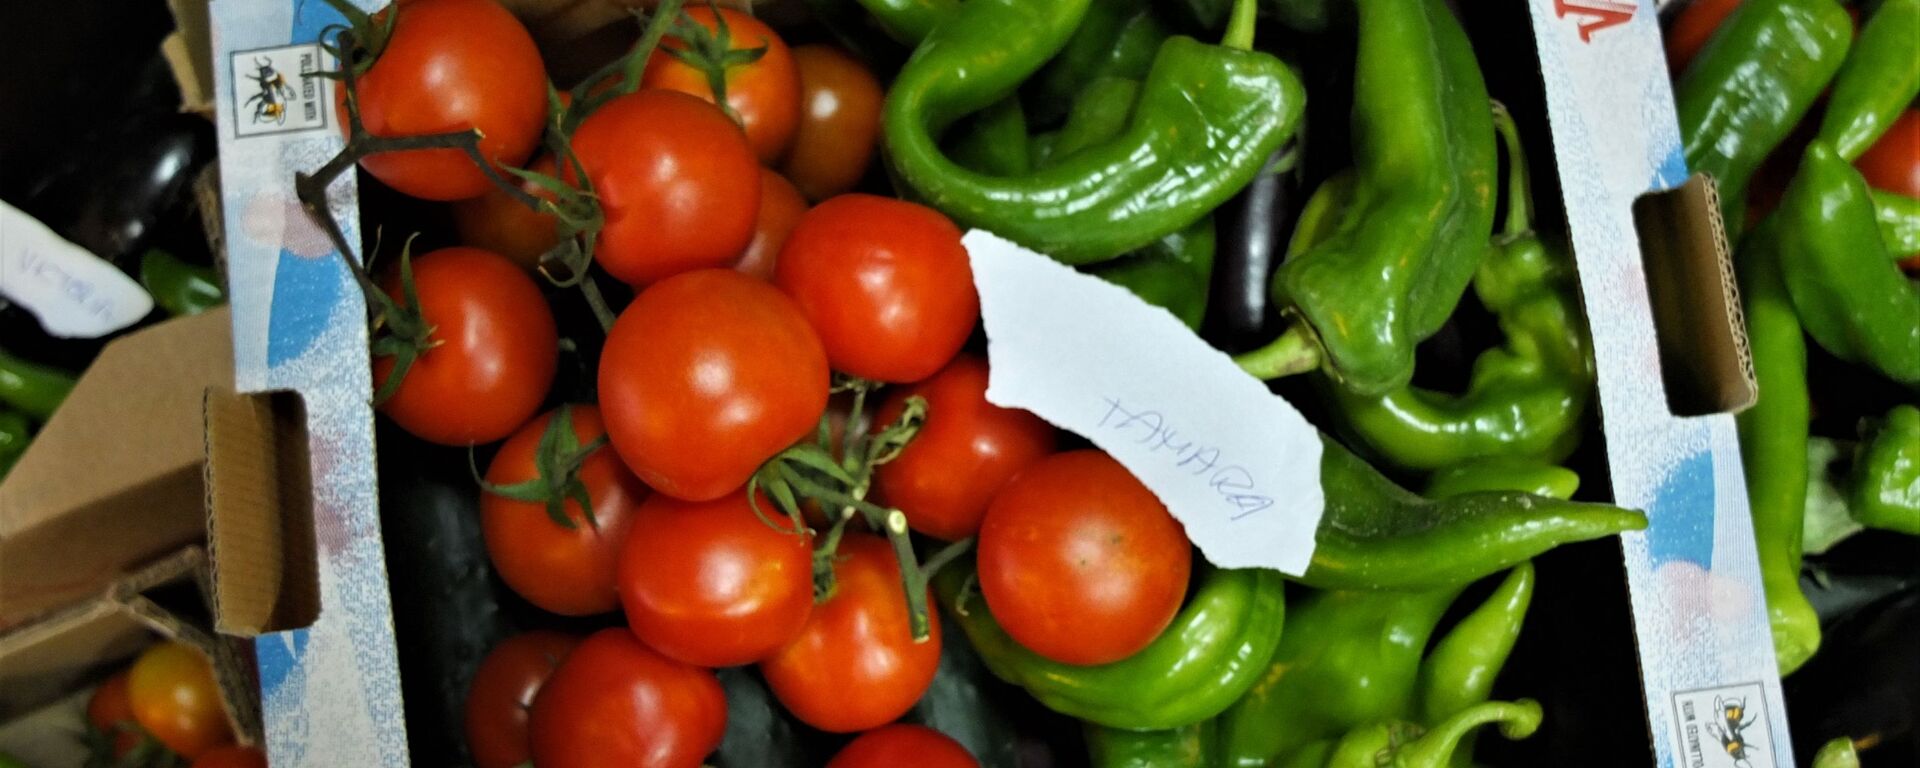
{"type": "Point", "coordinates": [270, 101]}
{"type": "Point", "coordinates": [1734, 713]}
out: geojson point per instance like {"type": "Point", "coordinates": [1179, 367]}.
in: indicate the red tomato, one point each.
{"type": "Point", "coordinates": [452, 65]}
{"type": "Point", "coordinates": [704, 377]}
{"type": "Point", "coordinates": [708, 583]}
{"type": "Point", "coordinates": [496, 355]}
{"type": "Point", "coordinates": [780, 209]}
{"type": "Point", "coordinates": [568, 571]}
{"type": "Point", "coordinates": [615, 703]}
{"type": "Point", "coordinates": [886, 282]}
{"type": "Point", "coordinates": [1892, 164]}
{"type": "Point", "coordinates": [839, 122]}
{"type": "Point", "coordinates": [497, 222]}
{"type": "Point", "coordinates": [1691, 29]}
{"type": "Point", "coordinates": [232, 757]}
{"type": "Point", "coordinates": [175, 698]}
{"type": "Point", "coordinates": [855, 666]}
{"type": "Point", "coordinates": [502, 692]}
{"type": "Point", "coordinates": [110, 711]}
{"type": "Point", "coordinates": [902, 744]}
{"type": "Point", "coordinates": [965, 451]}
{"type": "Point", "coordinates": [1080, 562]}
{"type": "Point", "coordinates": [677, 183]}
{"type": "Point", "coordinates": [764, 93]}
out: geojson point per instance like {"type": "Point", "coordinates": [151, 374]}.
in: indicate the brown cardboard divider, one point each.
{"type": "Point", "coordinates": [260, 513]}
{"type": "Point", "coordinates": [1705, 362]}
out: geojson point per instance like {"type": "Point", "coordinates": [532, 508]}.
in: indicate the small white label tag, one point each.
{"type": "Point", "coordinates": [74, 293]}
{"type": "Point", "coordinates": [1236, 464]}
{"type": "Point", "coordinates": [278, 90]}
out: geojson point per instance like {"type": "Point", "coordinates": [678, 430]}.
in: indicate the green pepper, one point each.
{"type": "Point", "coordinates": [1347, 658]}
{"type": "Point", "coordinates": [1526, 399]}
{"type": "Point", "coordinates": [1210, 654]}
{"type": "Point", "coordinates": [1300, 15]}
{"type": "Point", "coordinates": [1537, 479]}
{"type": "Point", "coordinates": [1850, 295]}
{"type": "Point", "coordinates": [33, 389]}
{"type": "Point", "coordinates": [1099, 114]}
{"type": "Point", "coordinates": [1118, 38]}
{"type": "Point", "coordinates": [178, 287]}
{"type": "Point", "coordinates": [15, 433]}
{"type": "Point", "coordinates": [1407, 745]}
{"type": "Point", "coordinates": [1190, 746]}
{"type": "Point", "coordinates": [1460, 670]}
{"type": "Point", "coordinates": [1886, 473]}
{"type": "Point", "coordinates": [994, 141]}
{"type": "Point", "coordinates": [1415, 211]}
{"type": "Point", "coordinates": [1174, 273]}
{"type": "Point", "coordinates": [909, 21]}
{"type": "Point", "coordinates": [1752, 82]}
{"type": "Point", "coordinates": [1376, 535]}
{"type": "Point", "coordinates": [1838, 753]}
{"type": "Point", "coordinates": [1879, 80]}
{"type": "Point", "coordinates": [1207, 117]}
{"type": "Point", "coordinates": [1899, 217]}
{"type": "Point", "coordinates": [1773, 445]}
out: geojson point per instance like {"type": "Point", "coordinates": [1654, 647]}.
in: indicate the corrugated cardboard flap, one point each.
{"type": "Point", "coordinates": [260, 513]}
{"type": "Point", "coordinates": [1704, 358]}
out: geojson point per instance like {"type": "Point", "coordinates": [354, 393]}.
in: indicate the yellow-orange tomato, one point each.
{"type": "Point", "coordinates": [176, 699]}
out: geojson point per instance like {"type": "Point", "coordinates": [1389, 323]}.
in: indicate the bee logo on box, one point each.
{"type": "Point", "coordinates": [1724, 727]}
{"type": "Point", "coordinates": [280, 90]}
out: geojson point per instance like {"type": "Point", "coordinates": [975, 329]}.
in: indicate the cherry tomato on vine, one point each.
{"type": "Point", "coordinates": [763, 92]}
{"type": "Point", "coordinates": [706, 376]}
{"type": "Point", "coordinates": [497, 222]}
{"type": "Point", "coordinates": [232, 757]}
{"type": "Point", "coordinates": [885, 282]}
{"type": "Point", "coordinates": [855, 666]}
{"type": "Point", "coordinates": [1080, 562]}
{"type": "Point", "coordinates": [1892, 164]}
{"type": "Point", "coordinates": [676, 180]}
{"type": "Point", "coordinates": [175, 699]}
{"type": "Point", "coordinates": [966, 449]}
{"type": "Point", "coordinates": [568, 571]}
{"type": "Point", "coordinates": [780, 209]}
{"type": "Point", "coordinates": [839, 122]}
{"type": "Point", "coordinates": [710, 584]}
{"type": "Point", "coordinates": [502, 692]}
{"type": "Point", "coordinates": [615, 703]}
{"type": "Point", "coordinates": [110, 711]}
{"type": "Point", "coordinates": [497, 349]}
{"type": "Point", "coordinates": [451, 65]}
{"type": "Point", "coordinates": [903, 744]}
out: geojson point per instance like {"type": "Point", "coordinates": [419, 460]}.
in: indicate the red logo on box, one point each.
{"type": "Point", "coordinates": [1594, 15]}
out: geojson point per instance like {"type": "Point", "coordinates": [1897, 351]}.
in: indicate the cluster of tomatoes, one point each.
{"type": "Point", "coordinates": [165, 706]}
{"type": "Point", "coordinates": [732, 388]}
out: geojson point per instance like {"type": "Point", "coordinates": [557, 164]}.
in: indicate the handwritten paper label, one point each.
{"type": "Point", "coordinates": [1236, 464]}
{"type": "Point", "coordinates": [74, 293]}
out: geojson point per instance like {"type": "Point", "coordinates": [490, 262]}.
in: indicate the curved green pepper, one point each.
{"type": "Point", "coordinates": [1190, 746]}
{"type": "Point", "coordinates": [1526, 399]}
{"type": "Point", "coordinates": [1850, 295]}
{"type": "Point", "coordinates": [1899, 218]}
{"type": "Point", "coordinates": [15, 433]}
{"type": "Point", "coordinates": [994, 141]}
{"type": "Point", "coordinates": [909, 21]}
{"type": "Point", "coordinates": [1347, 658]}
{"type": "Point", "coordinates": [178, 287]}
{"type": "Point", "coordinates": [1460, 670]}
{"type": "Point", "coordinates": [1749, 86]}
{"type": "Point", "coordinates": [1376, 535]}
{"type": "Point", "coordinates": [1202, 662]}
{"type": "Point", "coordinates": [1773, 446]}
{"type": "Point", "coordinates": [33, 389]}
{"type": "Point", "coordinates": [1118, 38]}
{"type": "Point", "coordinates": [1418, 206]}
{"type": "Point", "coordinates": [1207, 118]}
{"type": "Point", "coordinates": [1879, 80]}
{"type": "Point", "coordinates": [1886, 472]}
{"type": "Point", "coordinates": [1537, 479]}
{"type": "Point", "coordinates": [1407, 745]}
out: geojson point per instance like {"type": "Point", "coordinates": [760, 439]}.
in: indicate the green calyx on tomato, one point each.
{"type": "Point", "coordinates": [403, 332]}
{"type": "Point", "coordinates": [711, 51]}
{"type": "Point", "coordinates": [558, 458]}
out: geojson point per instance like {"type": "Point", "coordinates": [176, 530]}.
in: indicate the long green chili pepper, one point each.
{"type": "Point", "coordinates": [995, 141]}
{"type": "Point", "coordinates": [1526, 399]}
{"type": "Point", "coordinates": [33, 389]}
{"type": "Point", "coordinates": [1773, 446]}
{"type": "Point", "coordinates": [1749, 86]}
{"type": "Point", "coordinates": [1191, 746]}
{"type": "Point", "coordinates": [178, 287]}
{"type": "Point", "coordinates": [1528, 477]}
{"type": "Point", "coordinates": [1118, 39]}
{"type": "Point", "coordinates": [1413, 215]}
{"type": "Point", "coordinates": [1407, 745]}
{"type": "Point", "coordinates": [1208, 116]}
{"type": "Point", "coordinates": [1846, 288]}
{"type": "Point", "coordinates": [909, 21]}
{"type": "Point", "coordinates": [1879, 80]}
{"type": "Point", "coordinates": [1099, 114]}
{"type": "Point", "coordinates": [1886, 473]}
{"type": "Point", "coordinates": [1348, 658]}
{"type": "Point", "coordinates": [15, 433]}
{"type": "Point", "coordinates": [1211, 653]}
{"type": "Point", "coordinates": [1899, 218]}
{"type": "Point", "coordinates": [1460, 670]}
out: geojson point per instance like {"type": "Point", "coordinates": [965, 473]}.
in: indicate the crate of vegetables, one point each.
{"type": "Point", "coordinates": [766, 378]}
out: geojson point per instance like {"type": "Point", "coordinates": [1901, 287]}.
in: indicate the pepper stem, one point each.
{"type": "Point", "coordinates": [1294, 352]}
{"type": "Point", "coordinates": [1240, 26]}
{"type": "Point", "coordinates": [1519, 187]}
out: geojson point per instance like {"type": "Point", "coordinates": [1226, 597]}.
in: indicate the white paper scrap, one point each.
{"type": "Point", "coordinates": [74, 293]}
{"type": "Point", "coordinates": [1236, 464]}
